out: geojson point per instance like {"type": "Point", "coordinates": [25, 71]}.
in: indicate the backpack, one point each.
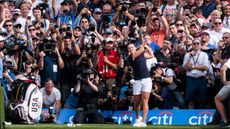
{"type": "Point", "coordinates": [26, 104]}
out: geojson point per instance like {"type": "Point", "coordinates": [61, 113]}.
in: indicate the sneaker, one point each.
{"type": "Point", "coordinates": [214, 122]}
{"type": "Point", "coordinates": [140, 124]}
{"type": "Point", "coordinates": [225, 125]}
{"type": "Point", "coordinates": [139, 119]}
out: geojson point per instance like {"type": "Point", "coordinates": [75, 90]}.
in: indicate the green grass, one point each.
{"type": "Point", "coordinates": [101, 126]}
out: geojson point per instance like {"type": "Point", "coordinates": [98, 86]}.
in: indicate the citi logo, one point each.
{"type": "Point", "coordinates": [201, 119]}
{"type": "Point", "coordinates": [163, 118]}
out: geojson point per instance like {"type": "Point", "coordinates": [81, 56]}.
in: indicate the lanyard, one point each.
{"type": "Point", "coordinates": [196, 59]}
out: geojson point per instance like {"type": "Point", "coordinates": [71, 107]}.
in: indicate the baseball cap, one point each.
{"type": "Point", "coordinates": [107, 40]}
{"type": "Point", "coordinates": [17, 11]}
{"type": "Point", "coordinates": [78, 27]}
{"type": "Point", "coordinates": [65, 2]}
{"type": "Point", "coordinates": [197, 26]}
{"type": "Point", "coordinates": [96, 10]}
{"type": "Point", "coordinates": [206, 31]}
{"type": "Point", "coordinates": [108, 31]}
{"type": "Point", "coordinates": [2, 38]}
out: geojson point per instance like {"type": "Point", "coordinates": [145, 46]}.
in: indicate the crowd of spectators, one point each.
{"type": "Point", "coordinates": [58, 40]}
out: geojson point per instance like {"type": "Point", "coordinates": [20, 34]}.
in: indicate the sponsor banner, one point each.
{"type": "Point", "coordinates": [155, 117]}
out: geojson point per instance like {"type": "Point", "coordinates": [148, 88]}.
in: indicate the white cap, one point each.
{"type": "Point", "coordinates": [2, 38]}
{"type": "Point", "coordinates": [108, 40]}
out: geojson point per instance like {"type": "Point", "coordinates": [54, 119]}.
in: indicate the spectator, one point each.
{"type": "Point", "coordinates": [64, 16]}
{"type": "Point", "coordinates": [196, 64]}
{"type": "Point", "coordinates": [157, 27]}
{"type": "Point", "coordinates": [86, 4]}
{"type": "Point", "coordinates": [218, 29]}
{"type": "Point", "coordinates": [207, 41]}
{"type": "Point", "coordinates": [8, 25]}
{"type": "Point", "coordinates": [51, 98]}
{"type": "Point", "coordinates": [37, 13]}
{"type": "Point", "coordinates": [164, 54]}
{"type": "Point", "coordinates": [226, 20]}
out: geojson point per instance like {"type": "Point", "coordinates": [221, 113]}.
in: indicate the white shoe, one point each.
{"type": "Point", "coordinates": [140, 124]}
{"type": "Point", "coordinates": [138, 120]}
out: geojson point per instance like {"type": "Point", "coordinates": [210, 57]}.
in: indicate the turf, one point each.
{"type": "Point", "coordinates": [100, 126]}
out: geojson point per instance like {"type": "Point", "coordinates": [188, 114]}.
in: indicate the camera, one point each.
{"type": "Point", "coordinates": [154, 9]}
{"type": "Point", "coordinates": [91, 28]}
{"type": "Point", "coordinates": [84, 73]}
{"type": "Point", "coordinates": [105, 18]}
{"type": "Point", "coordinates": [11, 42]}
{"type": "Point", "coordinates": [47, 45]}
{"type": "Point", "coordinates": [65, 11]}
{"type": "Point", "coordinates": [7, 65]}
{"type": "Point", "coordinates": [123, 8]}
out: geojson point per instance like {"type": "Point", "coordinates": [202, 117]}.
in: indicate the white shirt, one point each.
{"type": "Point", "coordinates": [225, 20]}
{"type": "Point", "coordinates": [50, 100]}
{"type": "Point", "coordinates": [227, 63]}
{"type": "Point", "coordinates": [219, 35]}
{"type": "Point", "coordinates": [199, 59]}
{"type": "Point", "coordinates": [151, 62]}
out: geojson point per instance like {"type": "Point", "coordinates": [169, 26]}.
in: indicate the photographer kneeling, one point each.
{"type": "Point", "coordinates": [88, 88]}
{"type": "Point", "coordinates": [169, 93]}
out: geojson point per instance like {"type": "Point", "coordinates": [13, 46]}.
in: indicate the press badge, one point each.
{"type": "Point", "coordinates": [55, 69]}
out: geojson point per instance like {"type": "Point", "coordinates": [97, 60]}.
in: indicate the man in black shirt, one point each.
{"type": "Point", "coordinates": [88, 88]}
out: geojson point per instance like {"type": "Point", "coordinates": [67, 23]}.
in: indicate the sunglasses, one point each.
{"type": "Point", "coordinates": [196, 43]}
{"type": "Point", "coordinates": [17, 26]}
{"type": "Point", "coordinates": [217, 23]}
{"type": "Point", "coordinates": [225, 37]}
{"type": "Point", "coordinates": [168, 14]}
{"type": "Point", "coordinates": [84, 21]}
{"type": "Point", "coordinates": [179, 24]}
{"type": "Point", "coordinates": [31, 29]}
{"type": "Point", "coordinates": [8, 25]}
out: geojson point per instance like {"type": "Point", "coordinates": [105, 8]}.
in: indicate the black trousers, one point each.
{"type": "Point", "coordinates": [88, 117]}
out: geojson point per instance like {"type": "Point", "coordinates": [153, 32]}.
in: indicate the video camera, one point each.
{"type": "Point", "coordinates": [84, 74]}
{"type": "Point", "coordinates": [12, 41]}
{"type": "Point", "coordinates": [47, 45]}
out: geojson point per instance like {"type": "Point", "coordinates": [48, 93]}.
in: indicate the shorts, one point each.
{"type": "Point", "coordinates": [143, 85]}
{"type": "Point", "coordinates": [196, 89]}
{"type": "Point", "coordinates": [224, 93]}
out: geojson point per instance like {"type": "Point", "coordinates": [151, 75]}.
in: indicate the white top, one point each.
{"type": "Point", "coordinates": [219, 35]}
{"type": "Point", "coordinates": [227, 63]}
{"type": "Point", "coordinates": [49, 100]}
{"type": "Point", "coordinates": [199, 59]}
{"type": "Point", "coordinates": [151, 62]}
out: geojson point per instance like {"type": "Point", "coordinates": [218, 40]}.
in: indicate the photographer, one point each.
{"type": "Point", "coordinates": [37, 13]}
{"type": "Point", "coordinates": [64, 16]}
{"type": "Point", "coordinates": [122, 13]}
{"type": "Point", "coordinates": [85, 14]}
{"type": "Point", "coordinates": [169, 93]}
{"type": "Point", "coordinates": [88, 88]}
{"type": "Point", "coordinates": [108, 63]}
{"type": "Point", "coordinates": [50, 62]}
{"type": "Point", "coordinates": [69, 53]}
{"type": "Point", "coordinates": [30, 73]}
